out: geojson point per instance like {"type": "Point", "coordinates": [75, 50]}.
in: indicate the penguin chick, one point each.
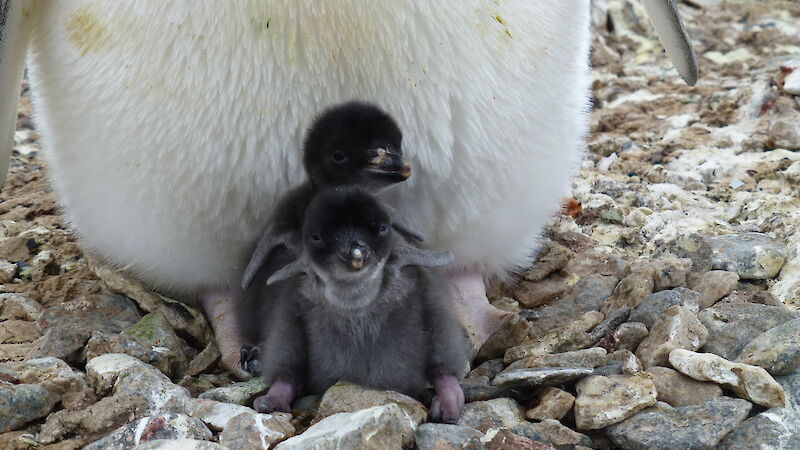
{"type": "Point", "coordinates": [361, 305]}
{"type": "Point", "coordinates": [349, 144]}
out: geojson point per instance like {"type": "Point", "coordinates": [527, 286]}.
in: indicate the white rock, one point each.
{"type": "Point", "coordinates": [379, 428]}
{"type": "Point", "coordinates": [749, 382]}
{"type": "Point", "coordinates": [216, 414]}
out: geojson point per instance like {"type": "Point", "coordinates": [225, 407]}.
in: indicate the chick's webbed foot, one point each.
{"type": "Point", "coordinates": [279, 397]}
{"type": "Point", "coordinates": [448, 403]}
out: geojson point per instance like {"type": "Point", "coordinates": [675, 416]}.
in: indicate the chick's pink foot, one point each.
{"type": "Point", "coordinates": [448, 403]}
{"type": "Point", "coordinates": [279, 397]}
{"type": "Point", "coordinates": [218, 306]}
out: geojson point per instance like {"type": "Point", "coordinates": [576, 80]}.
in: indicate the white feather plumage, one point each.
{"type": "Point", "coordinates": [172, 127]}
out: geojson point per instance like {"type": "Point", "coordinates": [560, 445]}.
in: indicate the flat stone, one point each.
{"type": "Point", "coordinates": [654, 305]}
{"type": "Point", "coordinates": [610, 323]}
{"type": "Point", "coordinates": [67, 327]}
{"type": "Point", "coordinates": [630, 291]}
{"type": "Point", "coordinates": [559, 436]}
{"type": "Point", "coordinates": [731, 326]}
{"type": "Point", "coordinates": [670, 272]}
{"type": "Point", "coordinates": [573, 336]}
{"type": "Point", "coordinates": [165, 426]}
{"type": "Point", "coordinates": [513, 332]}
{"type": "Point", "coordinates": [750, 382]}
{"type": "Point", "coordinates": [587, 294]}
{"type": "Point", "coordinates": [629, 363]}
{"type": "Point", "coordinates": [677, 389]}
{"type": "Point", "coordinates": [204, 361]}
{"type": "Point", "coordinates": [14, 249]}
{"type": "Point", "coordinates": [379, 428]}
{"type": "Point", "coordinates": [7, 271]}
{"type": "Point", "coordinates": [689, 245]}
{"type": "Point", "coordinates": [22, 403]}
{"type": "Point", "coordinates": [555, 257]}
{"type": "Point", "coordinates": [784, 131]}
{"type": "Point", "coordinates": [180, 444]}
{"type": "Point", "coordinates": [525, 378]}
{"type": "Point", "coordinates": [214, 414]}
{"type": "Point", "coordinates": [714, 285]}
{"type": "Point", "coordinates": [242, 393]}
{"type": "Point", "coordinates": [551, 403]}
{"type": "Point", "coordinates": [588, 357]}
{"type": "Point", "coordinates": [346, 397]}
{"type": "Point", "coordinates": [263, 431]}
{"type": "Point", "coordinates": [629, 335]}
{"type": "Point", "coordinates": [507, 304]}
{"type": "Point", "coordinates": [592, 262]}
{"type": "Point", "coordinates": [534, 294]}
{"type": "Point", "coordinates": [688, 427]}
{"type": "Point", "coordinates": [93, 421]}
{"type": "Point", "coordinates": [752, 256]}
{"type": "Point", "coordinates": [488, 368]}
{"type": "Point", "coordinates": [440, 436]}
{"type": "Point", "coordinates": [129, 376]}
{"type": "Point", "coordinates": [18, 331]}
{"type": "Point", "coordinates": [777, 350]}
{"type": "Point", "coordinates": [50, 373]}
{"type": "Point", "coordinates": [506, 439]}
{"type": "Point", "coordinates": [603, 401]}
{"type": "Point", "coordinates": [19, 307]}
{"type": "Point", "coordinates": [677, 328]}
{"type": "Point", "coordinates": [479, 388]}
{"type": "Point", "coordinates": [496, 413]}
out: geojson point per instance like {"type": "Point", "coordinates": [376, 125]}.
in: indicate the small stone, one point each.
{"type": "Point", "coordinates": [14, 249]}
{"type": "Point", "coordinates": [166, 426]}
{"type": "Point", "coordinates": [630, 335]}
{"type": "Point", "coordinates": [180, 444]}
{"type": "Point", "coordinates": [522, 378]}
{"type": "Point", "coordinates": [50, 373]}
{"type": "Point", "coordinates": [534, 294]}
{"type": "Point", "coordinates": [94, 421]}
{"type": "Point", "coordinates": [488, 368]}
{"type": "Point", "coordinates": [379, 428]}
{"type": "Point", "coordinates": [346, 397]}
{"type": "Point", "coordinates": [67, 327]}
{"type": "Point", "coordinates": [513, 332]}
{"type": "Point", "coordinates": [652, 308]}
{"type": "Point", "coordinates": [440, 436]}
{"type": "Point", "coordinates": [609, 324]}
{"type": "Point", "coordinates": [242, 393]}
{"type": "Point", "coordinates": [750, 382]}
{"type": "Point", "coordinates": [507, 304]}
{"type": "Point", "coordinates": [688, 427]}
{"type": "Point", "coordinates": [505, 439]}
{"type": "Point", "coordinates": [22, 403]}
{"type": "Point", "coordinates": [262, 431]}
{"type": "Point", "coordinates": [569, 337]}
{"type": "Point", "coordinates": [692, 246]}
{"type": "Point", "coordinates": [589, 357]}
{"type": "Point", "coordinates": [479, 388]}
{"type": "Point", "coordinates": [552, 403]}
{"type": "Point", "coordinates": [791, 82]}
{"type": "Point", "coordinates": [592, 262]}
{"type": "Point", "coordinates": [784, 131]}
{"type": "Point", "coordinates": [670, 273]}
{"type": "Point", "coordinates": [678, 328]}
{"type": "Point", "coordinates": [129, 376]}
{"type": "Point", "coordinates": [18, 307]}
{"type": "Point", "coordinates": [18, 331]}
{"type": "Point", "coordinates": [556, 434]}
{"type": "Point", "coordinates": [204, 361]}
{"type": "Point", "coordinates": [214, 414]}
{"type": "Point", "coordinates": [753, 256]}
{"type": "Point", "coordinates": [629, 363]}
{"type": "Point", "coordinates": [603, 401]}
{"type": "Point", "coordinates": [777, 350]}
{"type": "Point", "coordinates": [731, 326]}
{"type": "Point", "coordinates": [676, 389]}
{"type": "Point", "coordinates": [7, 271]}
{"type": "Point", "coordinates": [630, 291]}
{"type": "Point", "coordinates": [496, 413]}
{"type": "Point", "coordinates": [715, 285]}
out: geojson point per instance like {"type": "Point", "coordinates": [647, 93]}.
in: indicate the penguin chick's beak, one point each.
{"type": "Point", "coordinates": [390, 165]}
{"type": "Point", "coordinates": [357, 258]}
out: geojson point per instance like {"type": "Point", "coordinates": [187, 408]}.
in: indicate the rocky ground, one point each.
{"type": "Point", "coordinates": [662, 311]}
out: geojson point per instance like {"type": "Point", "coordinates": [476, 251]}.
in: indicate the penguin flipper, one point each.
{"type": "Point", "coordinates": [13, 47]}
{"type": "Point", "coordinates": [667, 21]}
{"type": "Point", "coordinates": [272, 238]}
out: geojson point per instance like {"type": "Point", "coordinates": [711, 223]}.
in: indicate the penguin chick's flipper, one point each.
{"type": "Point", "coordinates": [405, 255]}
{"type": "Point", "coordinates": [269, 241]}
{"type": "Point", "coordinates": [13, 45]}
{"type": "Point", "coordinates": [667, 21]}
{"type": "Point", "coordinates": [295, 267]}
{"type": "Point", "coordinates": [448, 403]}
{"type": "Point", "coordinates": [403, 226]}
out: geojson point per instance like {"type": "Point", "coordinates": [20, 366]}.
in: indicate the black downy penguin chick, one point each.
{"type": "Point", "coordinates": [349, 144]}
{"type": "Point", "coordinates": [361, 305]}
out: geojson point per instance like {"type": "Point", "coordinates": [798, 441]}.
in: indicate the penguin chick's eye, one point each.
{"type": "Point", "coordinates": [338, 157]}
{"type": "Point", "coordinates": [316, 238]}
{"type": "Point", "coordinates": [383, 230]}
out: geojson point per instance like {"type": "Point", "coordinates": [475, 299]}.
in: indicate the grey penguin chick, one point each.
{"type": "Point", "coordinates": [361, 305]}
{"type": "Point", "coordinates": [352, 143]}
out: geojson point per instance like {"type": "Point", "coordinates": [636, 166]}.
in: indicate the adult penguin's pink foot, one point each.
{"type": "Point", "coordinates": [218, 306]}
{"type": "Point", "coordinates": [467, 289]}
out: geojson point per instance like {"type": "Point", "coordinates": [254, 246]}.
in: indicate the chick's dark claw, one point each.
{"type": "Point", "coordinates": [249, 358]}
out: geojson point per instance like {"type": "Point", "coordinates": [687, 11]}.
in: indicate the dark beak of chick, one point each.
{"type": "Point", "coordinates": [389, 165]}
{"type": "Point", "coordinates": [355, 256]}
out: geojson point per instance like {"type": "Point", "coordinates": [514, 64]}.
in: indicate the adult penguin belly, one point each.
{"type": "Point", "coordinates": [172, 127]}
